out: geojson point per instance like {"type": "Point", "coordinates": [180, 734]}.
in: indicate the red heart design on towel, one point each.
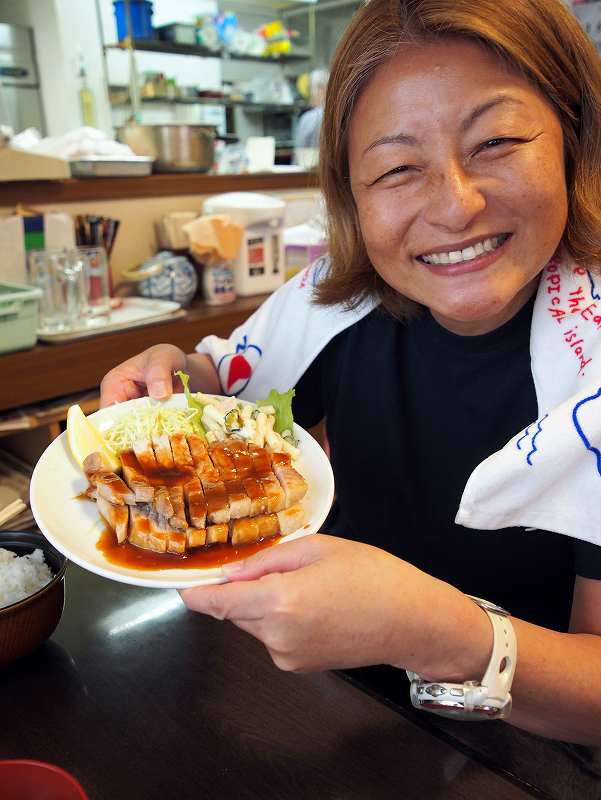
{"type": "Point", "coordinates": [239, 369]}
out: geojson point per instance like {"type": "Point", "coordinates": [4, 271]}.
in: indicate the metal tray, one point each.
{"type": "Point", "coordinates": [102, 167]}
{"type": "Point", "coordinates": [132, 313]}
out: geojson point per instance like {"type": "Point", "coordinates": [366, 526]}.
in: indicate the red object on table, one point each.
{"type": "Point", "coordinates": [22, 779]}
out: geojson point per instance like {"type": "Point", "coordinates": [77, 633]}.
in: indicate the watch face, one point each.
{"type": "Point", "coordinates": [458, 710]}
{"type": "Point", "coordinates": [449, 700]}
{"type": "Point", "coordinates": [480, 712]}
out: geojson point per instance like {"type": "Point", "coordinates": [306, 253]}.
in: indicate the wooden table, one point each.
{"type": "Point", "coordinates": [141, 700]}
{"type": "Point", "coordinates": [51, 370]}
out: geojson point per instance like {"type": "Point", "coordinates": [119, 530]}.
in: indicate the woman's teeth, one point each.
{"type": "Point", "coordinates": [467, 254]}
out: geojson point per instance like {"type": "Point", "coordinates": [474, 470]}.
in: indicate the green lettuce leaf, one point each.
{"type": "Point", "coordinates": [193, 403]}
{"type": "Point", "coordinates": [282, 403]}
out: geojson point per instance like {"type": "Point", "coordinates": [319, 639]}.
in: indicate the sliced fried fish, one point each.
{"type": "Point", "coordinates": [222, 461]}
{"type": "Point", "coordinates": [291, 481]}
{"type": "Point", "coordinates": [117, 517]}
{"type": "Point", "coordinates": [244, 531]}
{"type": "Point", "coordinates": [196, 503]}
{"type": "Point", "coordinates": [291, 519]}
{"type": "Point", "coordinates": [256, 493]}
{"type": "Point", "coordinates": [132, 472]}
{"type": "Point", "coordinates": [276, 499]}
{"type": "Point", "coordinates": [217, 534]}
{"type": "Point", "coordinates": [218, 509]}
{"type": "Point", "coordinates": [203, 465]}
{"type": "Point", "coordinates": [238, 499]}
{"type": "Point", "coordinates": [110, 487]}
{"type": "Point", "coordinates": [261, 463]}
{"type": "Point", "coordinates": [196, 537]}
{"type": "Point", "coordinates": [162, 503]}
{"type": "Point", "coordinates": [162, 450]}
{"type": "Point", "coordinates": [178, 519]}
{"type": "Point", "coordinates": [139, 528]}
{"type": "Point", "coordinates": [145, 455]}
{"type": "Point", "coordinates": [176, 543]}
{"type": "Point", "coordinates": [181, 452]}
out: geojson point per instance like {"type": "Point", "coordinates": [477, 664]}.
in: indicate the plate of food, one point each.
{"type": "Point", "coordinates": [163, 494]}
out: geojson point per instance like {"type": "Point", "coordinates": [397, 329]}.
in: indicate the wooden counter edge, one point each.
{"type": "Point", "coordinates": [48, 371]}
{"type": "Point", "coordinates": [71, 190]}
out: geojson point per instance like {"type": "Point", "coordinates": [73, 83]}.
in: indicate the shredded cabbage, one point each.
{"type": "Point", "coordinates": [146, 421]}
{"type": "Point", "coordinates": [269, 422]}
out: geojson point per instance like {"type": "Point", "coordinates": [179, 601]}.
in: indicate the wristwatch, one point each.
{"type": "Point", "coordinates": [489, 698]}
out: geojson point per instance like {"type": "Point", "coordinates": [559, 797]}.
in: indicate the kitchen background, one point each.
{"type": "Point", "coordinates": [71, 35]}
{"type": "Point", "coordinates": [61, 68]}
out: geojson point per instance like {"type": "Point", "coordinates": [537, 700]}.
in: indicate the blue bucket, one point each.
{"type": "Point", "coordinates": [141, 19]}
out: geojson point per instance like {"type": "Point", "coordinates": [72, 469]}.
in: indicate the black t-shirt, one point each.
{"type": "Point", "coordinates": [411, 410]}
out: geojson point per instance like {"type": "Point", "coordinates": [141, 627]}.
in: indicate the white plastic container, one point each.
{"type": "Point", "coordinates": [218, 284]}
{"type": "Point", "coordinates": [18, 316]}
{"type": "Point", "coordinates": [259, 267]}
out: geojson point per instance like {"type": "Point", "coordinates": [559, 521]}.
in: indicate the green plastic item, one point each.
{"type": "Point", "coordinates": [18, 316]}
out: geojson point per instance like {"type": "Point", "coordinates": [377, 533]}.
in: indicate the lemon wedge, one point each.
{"type": "Point", "coordinates": [84, 438]}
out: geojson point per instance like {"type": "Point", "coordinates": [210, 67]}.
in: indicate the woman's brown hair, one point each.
{"type": "Point", "coordinates": [539, 38]}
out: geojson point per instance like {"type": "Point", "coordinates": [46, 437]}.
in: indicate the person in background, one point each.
{"type": "Point", "coordinates": [309, 124]}
{"type": "Point", "coordinates": [459, 162]}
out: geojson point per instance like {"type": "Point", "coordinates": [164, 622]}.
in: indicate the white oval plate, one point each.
{"type": "Point", "coordinates": [74, 527]}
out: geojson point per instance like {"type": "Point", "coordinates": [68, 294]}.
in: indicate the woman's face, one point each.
{"type": "Point", "coordinates": [457, 171]}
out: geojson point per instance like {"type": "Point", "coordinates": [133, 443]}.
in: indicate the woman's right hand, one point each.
{"type": "Point", "coordinates": [151, 372]}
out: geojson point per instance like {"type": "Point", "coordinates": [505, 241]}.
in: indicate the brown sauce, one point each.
{"type": "Point", "coordinates": [159, 477]}
{"type": "Point", "coordinates": [128, 555]}
{"type": "Point", "coordinates": [131, 556]}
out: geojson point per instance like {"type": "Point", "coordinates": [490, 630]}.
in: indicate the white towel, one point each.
{"type": "Point", "coordinates": [548, 476]}
{"type": "Point", "coordinates": [274, 347]}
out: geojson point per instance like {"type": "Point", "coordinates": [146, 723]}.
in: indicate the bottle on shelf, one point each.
{"type": "Point", "coordinates": [86, 96]}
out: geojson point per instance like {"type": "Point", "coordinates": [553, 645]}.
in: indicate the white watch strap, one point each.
{"type": "Point", "coordinates": [501, 667]}
{"type": "Point", "coordinates": [489, 697]}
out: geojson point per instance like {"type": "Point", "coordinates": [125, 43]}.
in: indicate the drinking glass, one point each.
{"type": "Point", "coordinates": [59, 275]}
{"type": "Point", "coordinates": [96, 307]}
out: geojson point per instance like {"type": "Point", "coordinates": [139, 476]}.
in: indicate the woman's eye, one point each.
{"type": "Point", "coordinates": [497, 142]}
{"type": "Point", "coordinates": [396, 171]}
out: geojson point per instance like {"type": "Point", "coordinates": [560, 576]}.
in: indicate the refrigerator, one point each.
{"type": "Point", "coordinates": [20, 98]}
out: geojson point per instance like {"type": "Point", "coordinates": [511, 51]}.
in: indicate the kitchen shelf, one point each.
{"type": "Point", "coordinates": [76, 190]}
{"type": "Point", "coordinates": [157, 46]}
{"type": "Point", "coordinates": [212, 101]}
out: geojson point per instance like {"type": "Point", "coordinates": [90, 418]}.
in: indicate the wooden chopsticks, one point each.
{"type": "Point", "coordinates": [11, 510]}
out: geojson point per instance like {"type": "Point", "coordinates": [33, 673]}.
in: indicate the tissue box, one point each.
{"type": "Point", "coordinates": [303, 244]}
{"type": "Point", "coordinates": [299, 256]}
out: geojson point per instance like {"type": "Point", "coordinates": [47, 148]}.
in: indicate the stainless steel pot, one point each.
{"type": "Point", "coordinates": [175, 148]}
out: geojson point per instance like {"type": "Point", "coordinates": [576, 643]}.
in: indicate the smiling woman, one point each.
{"type": "Point", "coordinates": [540, 102]}
{"type": "Point", "coordinates": [449, 214]}
{"type": "Point", "coordinates": [451, 344]}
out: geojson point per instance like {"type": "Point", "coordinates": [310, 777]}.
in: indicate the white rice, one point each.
{"type": "Point", "coordinates": [21, 576]}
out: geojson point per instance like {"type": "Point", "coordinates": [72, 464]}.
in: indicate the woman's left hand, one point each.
{"type": "Point", "coordinates": [322, 603]}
